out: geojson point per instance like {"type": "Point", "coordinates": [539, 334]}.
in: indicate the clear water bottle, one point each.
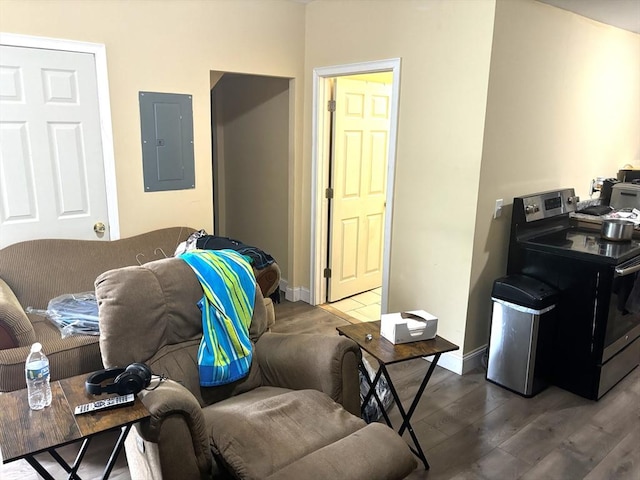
{"type": "Point", "coordinates": [37, 375]}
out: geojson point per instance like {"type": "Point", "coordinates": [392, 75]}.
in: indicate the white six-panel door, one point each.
{"type": "Point", "coordinates": [361, 136]}
{"type": "Point", "coordinates": [52, 181]}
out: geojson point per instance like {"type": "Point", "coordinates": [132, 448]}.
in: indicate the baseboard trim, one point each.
{"type": "Point", "coordinates": [452, 361]}
{"type": "Point", "coordinates": [295, 294]}
{"type": "Point", "coordinates": [456, 363]}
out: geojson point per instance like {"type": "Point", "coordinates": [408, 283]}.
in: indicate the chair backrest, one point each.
{"type": "Point", "coordinates": [149, 314]}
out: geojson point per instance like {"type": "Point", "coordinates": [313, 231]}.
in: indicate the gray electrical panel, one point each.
{"type": "Point", "coordinates": [166, 122]}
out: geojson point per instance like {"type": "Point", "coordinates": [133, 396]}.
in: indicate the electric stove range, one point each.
{"type": "Point", "coordinates": [597, 336]}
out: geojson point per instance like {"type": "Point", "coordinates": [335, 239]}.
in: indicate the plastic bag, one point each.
{"type": "Point", "coordinates": [372, 412]}
{"type": "Point", "coordinates": [72, 313]}
{"type": "Point", "coordinates": [190, 243]}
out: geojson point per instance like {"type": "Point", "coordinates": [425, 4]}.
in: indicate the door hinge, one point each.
{"type": "Point", "coordinates": [331, 105]}
{"type": "Point", "coordinates": [327, 273]}
{"type": "Point", "coordinates": [328, 193]}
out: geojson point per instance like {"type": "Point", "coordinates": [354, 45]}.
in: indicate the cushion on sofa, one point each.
{"type": "Point", "coordinates": [75, 264]}
{"type": "Point", "coordinates": [293, 425]}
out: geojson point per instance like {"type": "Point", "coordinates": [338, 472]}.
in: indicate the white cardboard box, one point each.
{"type": "Point", "coordinates": [420, 325]}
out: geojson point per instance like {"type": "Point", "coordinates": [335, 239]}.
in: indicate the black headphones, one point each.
{"type": "Point", "coordinates": [132, 379]}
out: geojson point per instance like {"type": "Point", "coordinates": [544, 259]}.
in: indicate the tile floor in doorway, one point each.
{"type": "Point", "coordinates": [363, 307]}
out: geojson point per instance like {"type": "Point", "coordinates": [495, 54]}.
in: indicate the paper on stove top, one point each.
{"type": "Point", "coordinates": [632, 215]}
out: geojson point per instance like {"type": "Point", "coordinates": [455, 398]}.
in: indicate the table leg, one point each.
{"type": "Point", "coordinates": [70, 469]}
{"type": "Point", "coordinates": [38, 468]}
{"type": "Point", "coordinates": [73, 469]}
{"type": "Point", "coordinates": [124, 431]}
{"type": "Point", "coordinates": [372, 392]}
{"type": "Point", "coordinates": [405, 424]}
{"type": "Point", "coordinates": [419, 393]}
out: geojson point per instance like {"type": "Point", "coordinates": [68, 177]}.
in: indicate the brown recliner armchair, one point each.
{"type": "Point", "coordinates": [295, 416]}
{"type": "Point", "coordinates": [35, 271]}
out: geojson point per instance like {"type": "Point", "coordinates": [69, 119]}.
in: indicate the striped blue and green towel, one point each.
{"type": "Point", "coordinates": [229, 287]}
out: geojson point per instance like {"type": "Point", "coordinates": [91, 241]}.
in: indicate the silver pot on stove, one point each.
{"type": "Point", "coordinates": [617, 229]}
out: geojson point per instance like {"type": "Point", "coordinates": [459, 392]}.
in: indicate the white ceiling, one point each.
{"type": "Point", "coordinates": [623, 14]}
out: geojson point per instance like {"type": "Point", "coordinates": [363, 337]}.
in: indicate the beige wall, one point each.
{"type": "Point", "coordinates": [445, 49]}
{"type": "Point", "coordinates": [253, 119]}
{"type": "Point", "coordinates": [560, 107]}
{"type": "Point", "coordinates": [170, 46]}
{"type": "Point", "coordinates": [563, 108]}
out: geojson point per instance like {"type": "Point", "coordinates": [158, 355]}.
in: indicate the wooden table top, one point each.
{"type": "Point", "coordinates": [385, 351]}
{"type": "Point", "coordinates": [24, 431]}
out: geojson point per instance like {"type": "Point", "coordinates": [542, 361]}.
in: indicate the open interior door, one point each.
{"type": "Point", "coordinates": [358, 179]}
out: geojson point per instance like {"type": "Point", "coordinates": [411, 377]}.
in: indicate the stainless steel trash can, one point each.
{"type": "Point", "coordinates": [521, 340]}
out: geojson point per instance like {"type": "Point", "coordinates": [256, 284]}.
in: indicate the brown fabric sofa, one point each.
{"type": "Point", "coordinates": [295, 416]}
{"type": "Point", "coordinates": [35, 271]}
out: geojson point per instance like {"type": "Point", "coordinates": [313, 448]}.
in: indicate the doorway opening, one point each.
{"type": "Point", "coordinates": [350, 241]}
{"type": "Point", "coordinates": [251, 137]}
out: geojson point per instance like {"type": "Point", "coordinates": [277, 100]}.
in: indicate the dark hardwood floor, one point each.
{"type": "Point", "coordinates": [472, 429]}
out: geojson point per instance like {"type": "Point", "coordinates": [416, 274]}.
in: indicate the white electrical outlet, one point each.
{"type": "Point", "coordinates": [497, 212]}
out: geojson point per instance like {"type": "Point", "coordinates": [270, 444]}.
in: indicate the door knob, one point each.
{"type": "Point", "coordinates": [99, 227]}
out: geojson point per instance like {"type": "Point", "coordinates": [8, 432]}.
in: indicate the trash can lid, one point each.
{"type": "Point", "coordinates": [524, 290]}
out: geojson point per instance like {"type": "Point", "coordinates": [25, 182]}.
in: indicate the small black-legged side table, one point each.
{"type": "Point", "coordinates": [367, 336]}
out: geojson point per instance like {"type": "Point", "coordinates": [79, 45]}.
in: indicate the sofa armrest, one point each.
{"type": "Point", "coordinates": [173, 409]}
{"type": "Point", "coordinates": [68, 357]}
{"type": "Point", "coordinates": [321, 362]}
{"type": "Point", "coordinates": [15, 328]}
{"type": "Point", "coordinates": [12, 368]}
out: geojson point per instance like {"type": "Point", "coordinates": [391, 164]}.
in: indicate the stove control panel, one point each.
{"type": "Point", "coordinates": [531, 209]}
{"type": "Point", "coordinates": [546, 204]}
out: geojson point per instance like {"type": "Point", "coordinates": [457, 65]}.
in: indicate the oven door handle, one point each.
{"type": "Point", "coordinates": [623, 270]}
